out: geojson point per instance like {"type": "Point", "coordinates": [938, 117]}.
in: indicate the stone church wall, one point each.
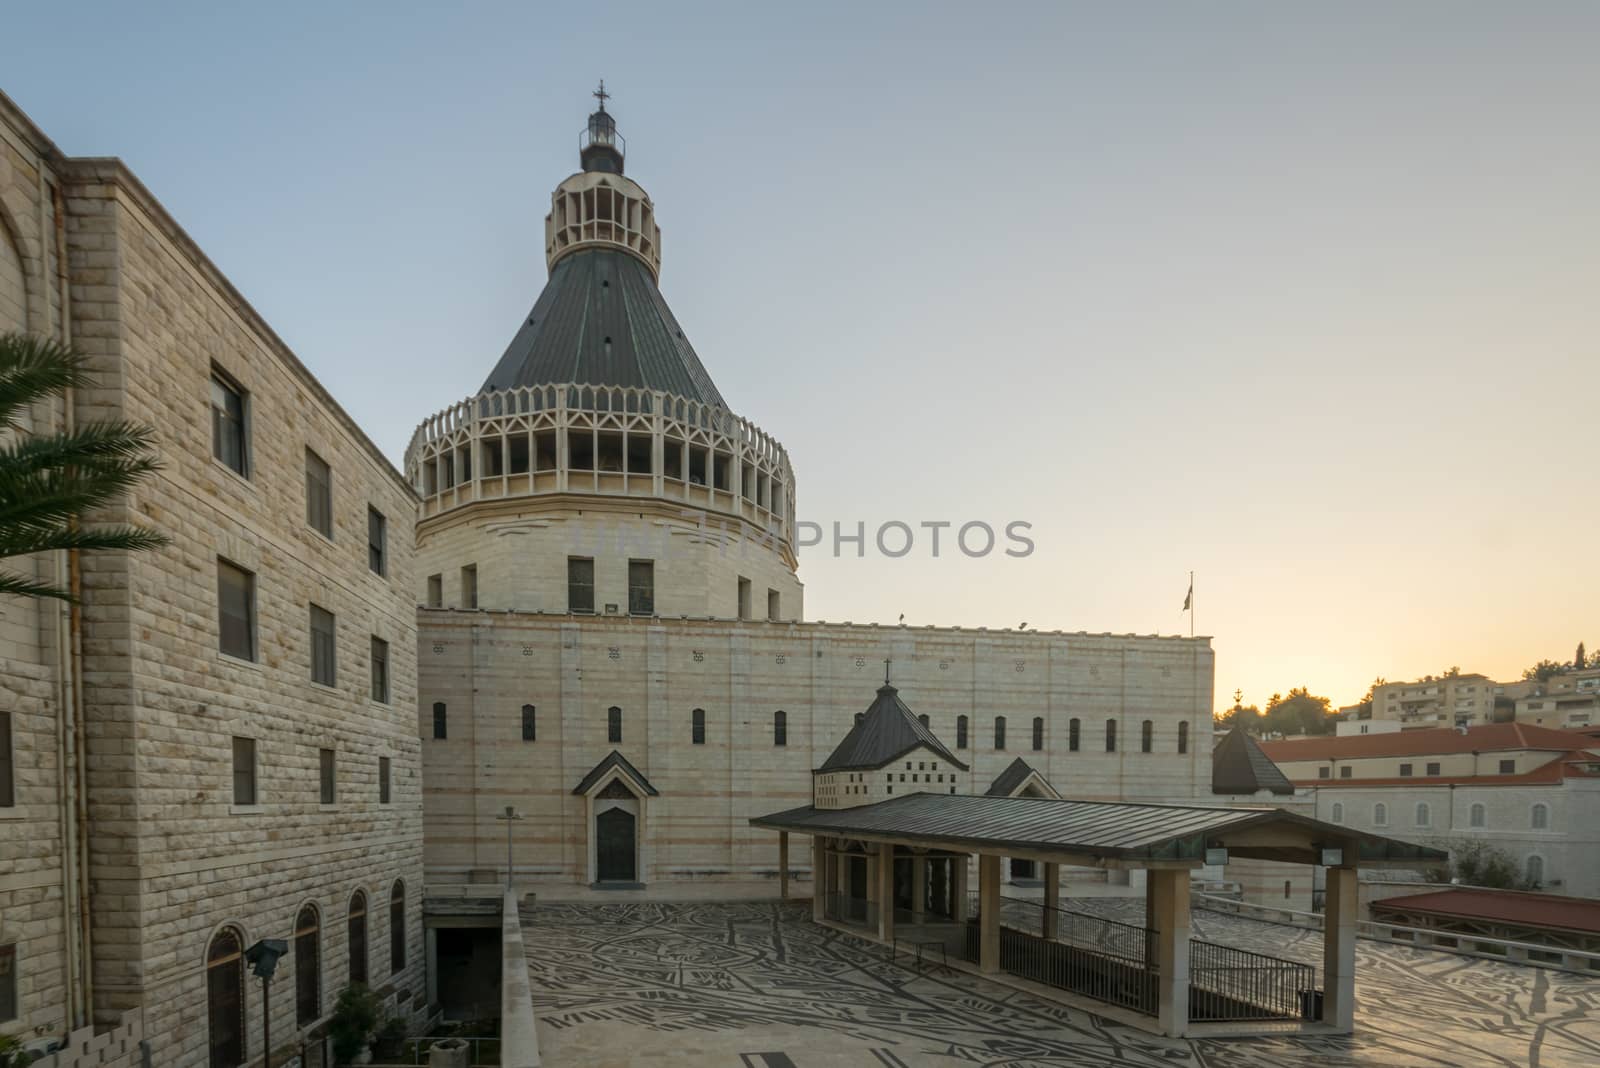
{"type": "Point", "coordinates": [485, 666]}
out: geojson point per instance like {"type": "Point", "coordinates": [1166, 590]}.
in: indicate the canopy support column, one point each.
{"type": "Point", "coordinates": [1052, 897]}
{"type": "Point", "coordinates": [988, 913]}
{"type": "Point", "coordinates": [960, 908]}
{"type": "Point", "coordinates": [783, 865]}
{"type": "Point", "coordinates": [1168, 890]}
{"type": "Point", "coordinates": [1339, 915]}
{"type": "Point", "coordinates": [919, 888]}
{"type": "Point", "coordinates": [819, 878]}
{"type": "Point", "coordinates": [886, 893]}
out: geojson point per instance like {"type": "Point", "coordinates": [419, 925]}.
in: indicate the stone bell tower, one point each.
{"type": "Point", "coordinates": [598, 470]}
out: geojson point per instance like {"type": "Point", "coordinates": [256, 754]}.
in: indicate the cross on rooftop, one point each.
{"type": "Point", "coordinates": [601, 95]}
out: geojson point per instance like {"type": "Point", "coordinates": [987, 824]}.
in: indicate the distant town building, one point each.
{"type": "Point", "coordinates": [1570, 701]}
{"type": "Point", "coordinates": [1449, 701]}
{"type": "Point", "coordinates": [1530, 791]}
{"type": "Point", "coordinates": [1347, 727]}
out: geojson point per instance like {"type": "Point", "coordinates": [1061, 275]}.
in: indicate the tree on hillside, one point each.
{"type": "Point", "coordinates": [1579, 659]}
{"type": "Point", "coordinates": [1452, 672]}
{"type": "Point", "coordinates": [1364, 706]}
{"type": "Point", "coordinates": [1544, 670]}
{"type": "Point", "coordinates": [1298, 713]}
{"type": "Point", "coordinates": [1474, 862]}
{"type": "Point", "coordinates": [49, 481]}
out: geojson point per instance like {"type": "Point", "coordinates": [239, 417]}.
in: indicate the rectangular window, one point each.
{"type": "Point", "coordinates": [1405, 771]}
{"type": "Point", "coordinates": [441, 720]}
{"type": "Point", "coordinates": [383, 780]}
{"type": "Point", "coordinates": [8, 983]}
{"type": "Point", "coordinates": [435, 591]}
{"type": "Point", "coordinates": [744, 598]}
{"type": "Point", "coordinates": [697, 727]}
{"type": "Point", "coordinates": [1345, 773]}
{"type": "Point", "coordinates": [1324, 773]}
{"type": "Point", "coordinates": [319, 495]}
{"type": "Point", "coordinates": [774, 605]}
{"type": "Point", "coordinates": [641, 588]}
{"type": "Point", "coordinates": [244, 771]}
{"type": "Point", "coordinates": [8, 782]}
{"type": "Point", "coordinates": [323, 654]}
{"type": "Point", "coordinates": [380, 671]}
{"type": "Point", "coordinates": [1508, 767]}
{"type": "Point", "coordinates": [530, 724]}
{"type": "Point", "coordinates": [580, 584]}
{"type": "Point", "coordinates": [326, 761]}
{"type": "Point", "coordinates": [236, 610]}
{"type": "Point", "coordinates": [377, 542]}
{"type": "Point", "coordinates": [469, 586]}
{"type": "Point", "coordinates": [614, 725]}
{"type": "Point", "coordinates": [229, 434]}
{"type": "Point", "coordinates": [1433, 768]}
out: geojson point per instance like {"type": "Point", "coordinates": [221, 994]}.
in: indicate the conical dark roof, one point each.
{"type": "Point", "coordinates": [1238, 766]}
{"type": "Point", "coordinates": [885, 732]}
{"type": "Point", "coordinates": [601, 321]}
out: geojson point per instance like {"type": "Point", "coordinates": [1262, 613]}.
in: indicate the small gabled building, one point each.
{"type": "Point", "coordinates": [888, 751]}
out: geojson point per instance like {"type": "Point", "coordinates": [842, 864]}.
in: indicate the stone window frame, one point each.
{"type": "Point", "coordinates": [250, 776]}
{"type": "Point", "coordinates": [1539, 816]}
{"type": "Point", "coordinates": [323, 634]}
{"type": "Point", "coordinates": [319, 493]}
{"type": "Point", "coordinates": [307, 965]}
{"type": "Point", "coordinates": [397, 926]}
{"type": "Point", "coordinates": [1478, 815]}
{"type": "Point", "coordinates": [780, 729]}
{"type": "Point", "coordinates": [1183, 737]}
{"type": "Point", "coordinates": [230, 385]}
{"type": "Point", "coordinates": [436, 591]}
{"type": "Point", "coordinates": [441, 721]}
{"type": "Point", "coordinates": [469, 586]}
{"type": "Point", "coordinates": [250, 614]}
{"type": "Point", "coordinates": [1038, 734]}
{"type": "Point", "coordinates": [999, 734]}
{"type": "Point", "coordinates": [1147, 736]}
{"type": "Point", "coordinates": [530, 723]}
{"type": "Point", "coordinates": [641, 587]}
{"type": "Point", "coordinates": [1074, 734]}
{"type": "Point", "coordinates": [614, 725]}
{"type": "Point", "coordinates": [575, 583]}
{"type": "Point", "coordinates": [385, 788]}
{"type": "Point", "coordinates": [697, 727]}
{"type": "Point", "coordinates": [1111, 735]}
{"type": "Point", "coordinates": [10, 985]}
{"type": "Point", "coordinates": [961, 732]}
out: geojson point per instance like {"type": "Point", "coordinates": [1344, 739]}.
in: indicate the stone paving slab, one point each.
{"type": "Point", "coordinates": [758, 984]}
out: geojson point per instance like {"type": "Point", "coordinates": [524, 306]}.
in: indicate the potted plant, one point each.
{"type": "Point", "coordinates": [355, 1015]}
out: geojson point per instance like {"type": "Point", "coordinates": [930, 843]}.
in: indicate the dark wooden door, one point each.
{"type": "Point", "coordinates": [614, 846]}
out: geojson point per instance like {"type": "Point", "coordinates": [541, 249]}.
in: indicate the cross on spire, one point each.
{"type": "Point", "coordinates": [886, 662]}
{"type": "Point", "coordinates": [601, 95]}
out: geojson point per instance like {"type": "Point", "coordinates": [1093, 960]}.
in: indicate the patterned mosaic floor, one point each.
{"type": "Point", "coordinates": [758, 984]}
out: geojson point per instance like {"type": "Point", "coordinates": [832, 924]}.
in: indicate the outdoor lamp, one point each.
{"type": "Point", "coordinates": [263, 956]}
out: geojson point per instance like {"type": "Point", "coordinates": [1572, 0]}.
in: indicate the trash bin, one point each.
{"type": "Point", "coordinates": [1311, 1004]}
{"type": "Point", "coordinates": [450, 1053]}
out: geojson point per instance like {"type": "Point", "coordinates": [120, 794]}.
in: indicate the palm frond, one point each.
{"type": "Point", "coordinates": [47, 498]}
{"type": "Point", "coordinates": [33, 368]}
{"type": "Point", "coordinates": [84, 446]}
{"type": "Point", "coordinates": [25, 587]}
{"type": "Point", "coordinates": [126, 538]}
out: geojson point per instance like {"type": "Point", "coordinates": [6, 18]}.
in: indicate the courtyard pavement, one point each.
{"type": "Point", "coordinates": [757, 984]}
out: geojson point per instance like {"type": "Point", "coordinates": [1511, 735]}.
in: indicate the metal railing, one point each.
{"type": "Point", "coordinates": [1226, 983]}
{"type": "Point", "coordinates": [485, 1050]}
{"type": "Point", "coordinates": [1099, 958]}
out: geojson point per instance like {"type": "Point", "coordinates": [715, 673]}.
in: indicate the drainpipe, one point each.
{"type": "Point", "coordinates": [75, 652]}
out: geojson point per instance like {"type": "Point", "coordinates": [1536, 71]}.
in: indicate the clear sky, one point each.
{"type": "Point", "coordinates": [1304, 300]}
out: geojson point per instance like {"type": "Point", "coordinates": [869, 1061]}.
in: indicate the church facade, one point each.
{"type": "Point", "coordinates": [612, 619]}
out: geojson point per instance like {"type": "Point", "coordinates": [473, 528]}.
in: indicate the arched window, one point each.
{"type": "Point", "coordinates": [1074, 734]}
{"type": "Point", "coordinates": [1147, 736]}
{"type": "Point", "coordinates": [397, 926]}
{"type": "Point", "coordinates": [999, 732]}
{"type": "Point", "coordinates": [1476, 816]}
{"type": "Point", "coordinates": [307, 967]}
{"type": "Point", "coordinates": [1535, 870]}
{"type": "Point", "coordinates": [1541, 817]}
{"type": "Point", "coordinates": [961, 732]}
{"type": "Point", "coordinates": [1424, 814]}
{"type": "Point", "coordinates": [440, 719]}
{"type": "Point", "coordinates": [923, 719]}
{"type": "Point", "coordinates": [357, 930]}
{"type": "Point", "coordinates": [225, 998]}
{"type": "Point", "coordinates": [530, 724]}
{"type": "Point", "coordinates": [1111, 736]}
{"type": "Point", "coordinates": [1337, 813]}
{"type": "Point", "coordinates": [697, 727]}
{"type": "Point", "coordinates": [614, 725]}
{"type": "Point", "coordinates": [1183, 737]}
{"type": "Point", "coordinates": [1380, 815]}
{"type": "Point", "coordinates": [780, 727]}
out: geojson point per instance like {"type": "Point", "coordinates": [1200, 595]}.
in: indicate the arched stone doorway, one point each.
{"type": "Point", "coordinates": [616, 846]}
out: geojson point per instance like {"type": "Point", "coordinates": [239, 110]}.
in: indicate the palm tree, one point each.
{"type": "Point", "coordinates": [48, 481]}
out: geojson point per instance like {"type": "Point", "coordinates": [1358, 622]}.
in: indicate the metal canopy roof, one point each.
{"type": "Point", "coordinates": [1106, 830]}
{"type": "Point", "coordinates": [886, 731]}
{"type": "Point", "coordinates": [601, 321]}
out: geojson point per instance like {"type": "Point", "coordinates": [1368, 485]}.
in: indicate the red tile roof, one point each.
{"type": "Point", "coordinates": [1501, 906]}
{"type": "Point", "coordinates": [1569, 765]}
{"type": "Point", "coordinates": [1488, 738]}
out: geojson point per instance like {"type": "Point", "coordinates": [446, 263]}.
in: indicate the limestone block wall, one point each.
{"type": "Point", "coordinates": [173, 859]}
{"type": "Point", "coordinates": [520, 549]}
{"type": "Point", "coordinates": [33, 885]}
{"type": "Point", "coordinates": [117, 1047]}
{"type": "Point", "coordinates": [483, 667]}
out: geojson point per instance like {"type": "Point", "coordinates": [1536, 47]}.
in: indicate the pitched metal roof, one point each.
{"type": "Point", "coordinates": [1238, 766]}
{"type": "Point", "coordinates": [601, 321]}
{"type": "Point", "coordinates": [886, 731]}
{"type": "Point", "coordinates": [1006, 783]}
{"type": "Point", "coordinates": [615, 759]}
{"type": "Point", "coordinates": [1109, 829]}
